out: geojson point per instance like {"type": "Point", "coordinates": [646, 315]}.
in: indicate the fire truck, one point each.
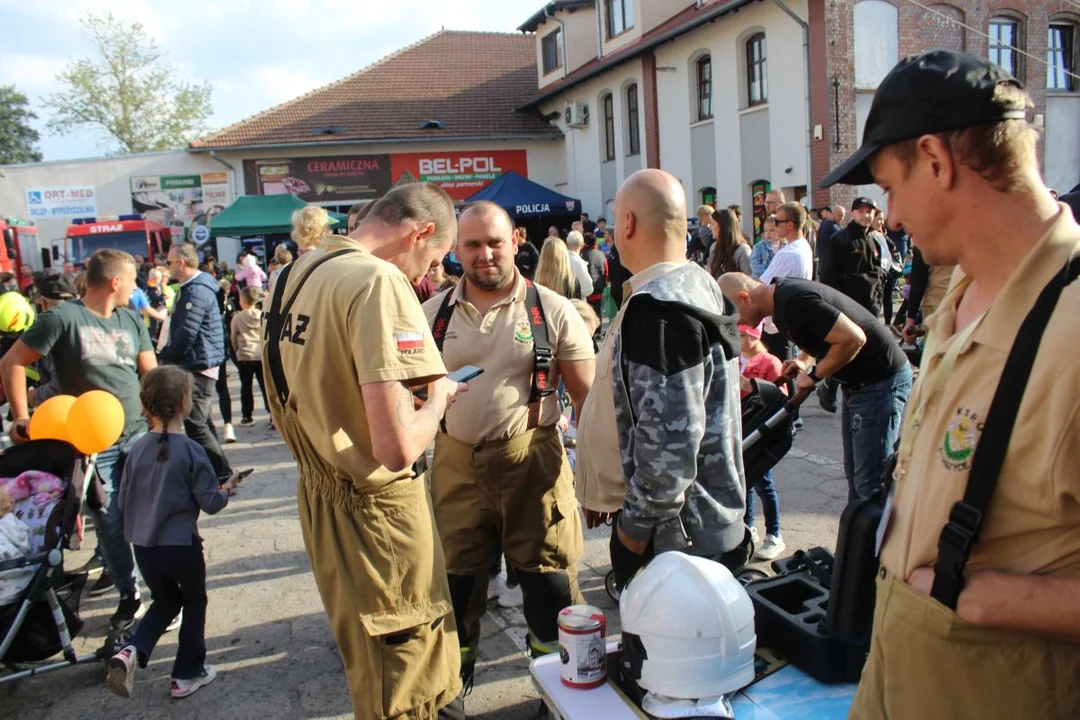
{"type": "Point", "coordinates": [133, 234]}
{"type": "Point", "coordinates": [21, 247]}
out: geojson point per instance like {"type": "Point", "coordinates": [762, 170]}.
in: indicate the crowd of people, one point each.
{"type": "Point", "coordinates": [415, 489]}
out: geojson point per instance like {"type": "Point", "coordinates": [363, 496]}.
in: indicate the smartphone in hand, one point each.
{"type": "Point", "coordinates": [466, 373]}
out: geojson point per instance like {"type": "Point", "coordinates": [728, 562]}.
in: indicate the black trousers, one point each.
{"type": "Point", "coordinates": [250, 370]}
{"type": "Point", "coordinates": [200, 425]}
{"type": "Point", "coordinates": [626, 563]}
{"type": "Point", "coordinates": [224, 399]}
{"type": "Point", "coordinates": [176, 576]}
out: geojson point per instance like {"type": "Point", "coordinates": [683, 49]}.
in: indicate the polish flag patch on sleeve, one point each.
{"type": "Point", "coordinates": [407, 341]}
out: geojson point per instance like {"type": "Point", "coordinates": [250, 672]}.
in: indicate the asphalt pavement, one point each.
{"type": "Point", "coordinates": [267, 632]}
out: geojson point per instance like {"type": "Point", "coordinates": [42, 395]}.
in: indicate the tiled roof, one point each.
{"type": "Point", "coordinates": [469, 81]}
{"type": "Point", "coordinates": [680, 23]}
{"type": "Point", "coordinates": [540, 15]}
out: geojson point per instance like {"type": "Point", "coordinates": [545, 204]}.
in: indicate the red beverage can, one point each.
{"type": "Point", "coordinates": [582, 649]}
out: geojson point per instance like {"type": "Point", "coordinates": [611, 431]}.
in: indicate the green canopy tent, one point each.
{"type": "Point", "coordinates": [261, 215]}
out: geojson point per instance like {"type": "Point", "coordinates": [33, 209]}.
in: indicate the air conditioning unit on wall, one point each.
{"type": "Point", "coordinates": [576, 114]}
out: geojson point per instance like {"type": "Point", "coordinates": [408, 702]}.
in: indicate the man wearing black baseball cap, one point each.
{"type": "Point", "coordinates": [852, 264]}
{"type": "Point", "coordinates": [976, 612]}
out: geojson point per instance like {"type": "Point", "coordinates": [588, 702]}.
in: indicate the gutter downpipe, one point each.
{"type": "Point", "coordinates": [232, 170]}
{"type": "Point", "coordinates": [599, 30]}
{"type": "Point", "coordinates": [562, 35]}
{"type": "Point", "coordinates": [806, 90]}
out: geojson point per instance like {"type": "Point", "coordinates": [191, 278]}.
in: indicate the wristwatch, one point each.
{"type": "Point", "coordinates": [812, 374]}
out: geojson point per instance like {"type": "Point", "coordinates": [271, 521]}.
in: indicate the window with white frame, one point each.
{"type": "Point", "coordinates": [620, 16]}
{"type": "Point", "coordinates": [1004, 42]}
{"type": "Point", "coordinates": [1061, 57]}
{"type": "Point", "coordinates": [551, 51]}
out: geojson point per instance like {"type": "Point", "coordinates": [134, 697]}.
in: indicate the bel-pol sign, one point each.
{"type": "Point", "coordinates": [61, 202]}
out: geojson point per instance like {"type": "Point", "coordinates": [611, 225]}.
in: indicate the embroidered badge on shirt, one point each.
{"type": "Point", "coordinates": [961, 439]}
{"type": "Point", "coordinates": [523, 332]}
{"type": "Point", "coordinates": [409, 342]}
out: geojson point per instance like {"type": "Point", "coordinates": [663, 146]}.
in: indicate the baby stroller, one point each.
{"type": "Point", "coordinates": [767, 417]}
{"type": "Point", "coordinates": [43, 618]}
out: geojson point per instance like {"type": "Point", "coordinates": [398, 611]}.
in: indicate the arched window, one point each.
{"type": "Point", "coordinates": [633, 121]}
{"type": "Point", "coordinates": [608, 103]}
{"type": "Point", "coordinates": [757, 84]}
{"type": "Point", "coordinates": [1006, 37]}
{"type": "Point", "coordinates": [704, 87]}
{"type": "Point", "coordinates": [1061, 56]}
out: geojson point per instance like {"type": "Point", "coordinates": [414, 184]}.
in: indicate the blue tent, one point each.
{"type": "Point", "coordinates": [523, 198]}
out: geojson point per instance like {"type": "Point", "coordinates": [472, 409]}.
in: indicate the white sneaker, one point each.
{"type": "Point", "coordinates": [176, 622]}
{"type": "Point", "coordinates": [122, 666]}
{"type": "Point", "coordinates": [755, 537]}
{"type": "Point", "coordinates": [511, 597]}
{"type": "Point", "coordinates": [496, 585]}
{"type": "Point", "coordinates": [182, 688]}
{"type": "Point", "coordinates": [774, 545]}
{"type": "Point", "coordinates": [230, 434]}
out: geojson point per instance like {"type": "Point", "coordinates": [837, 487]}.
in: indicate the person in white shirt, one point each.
{"type": "Point", "coordinates": [794, 258]}
{"type": "Point", "coordinates": [575, 241]}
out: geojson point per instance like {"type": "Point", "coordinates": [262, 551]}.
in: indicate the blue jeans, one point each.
{"type": "Point", "coordinates": [770, 504]}
{"type": "Point", "coordinates": [870, 419]}
{"type": "Point", "coordinates": [109, 520]}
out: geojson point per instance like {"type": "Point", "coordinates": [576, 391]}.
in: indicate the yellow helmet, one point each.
{"type": "Point", "coordinates": [16, 313]}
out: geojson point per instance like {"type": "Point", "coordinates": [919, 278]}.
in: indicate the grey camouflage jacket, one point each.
{"type": "Point", "coordinates": [677, 407]}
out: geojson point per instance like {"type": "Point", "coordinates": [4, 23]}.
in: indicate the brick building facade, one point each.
{"type": "Point", "coordinates": [840, 88]}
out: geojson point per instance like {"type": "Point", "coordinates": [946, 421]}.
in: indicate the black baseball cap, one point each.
{"type": "Point", "coordinates": [930, 93]}
{"type": "Point", "coordinates": [861, 202]}
{"type": "Point", "coordinates": [55, 286]}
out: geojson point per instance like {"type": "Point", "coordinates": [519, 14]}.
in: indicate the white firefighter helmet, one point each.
{"type": "Point", "coordinates": [688, 628]}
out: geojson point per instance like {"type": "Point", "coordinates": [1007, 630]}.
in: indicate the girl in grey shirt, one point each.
{"type": "Point", "coordinates": [167, 481]}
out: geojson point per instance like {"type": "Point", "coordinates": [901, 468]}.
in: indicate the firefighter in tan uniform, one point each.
{"type": "Point", "coordinates": [996, 633]}
{"type": "Point", "coordinates": [346, 345]}
{"type": "Point", "coordinates": [500, 472]}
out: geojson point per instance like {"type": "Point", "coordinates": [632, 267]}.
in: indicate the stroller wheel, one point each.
{"type": "Point", "coordinates": [748, 575]}
{"type": "Point", "coordinates": [609, 585]}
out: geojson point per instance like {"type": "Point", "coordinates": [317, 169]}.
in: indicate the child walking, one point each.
{"type": "Point", "coordinates": [246, 337]}
{"type": "Point", "coordinates": [759, 364]}
{"type": "Point", "coordinates": [167, 480]}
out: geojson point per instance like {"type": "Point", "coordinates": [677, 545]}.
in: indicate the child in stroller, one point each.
{"type": "Point", "coordinates": [167, 480]}
{"type": "Point", "coordinates": [39, 617]}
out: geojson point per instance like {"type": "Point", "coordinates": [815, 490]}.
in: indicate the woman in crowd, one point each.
{"type": "Point", "coordinates": [730, 251]}
{"type": "Point", "coordinates": [310, 225]}
{"type": "Point", "coordinates": [554, 270]}
{"type": "Point", "coordinates": [283, 257]}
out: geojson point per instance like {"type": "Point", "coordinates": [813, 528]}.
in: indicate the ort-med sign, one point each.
{"type": "Point", "coordinates": [61, 202]}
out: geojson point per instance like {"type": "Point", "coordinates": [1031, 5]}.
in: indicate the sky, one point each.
{"type": "Point", "coordinates": [254, 53]}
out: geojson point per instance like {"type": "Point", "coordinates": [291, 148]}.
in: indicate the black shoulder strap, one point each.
{"type": "Point", "coordinates": [272, 333]}
{"type": "Point", "coordinates": [967, 516]}
{"type": "Point", "coordinates": [541, 386]}
{"type": "Point", "coordinates": [442, 321]}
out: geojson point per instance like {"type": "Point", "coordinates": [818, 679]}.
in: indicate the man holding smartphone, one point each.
{"type": "Point", "coordinates": [500, 473]}
{"type": "Point", "coordinates": [343, 354]}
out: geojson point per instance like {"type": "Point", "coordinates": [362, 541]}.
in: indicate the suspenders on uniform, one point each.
{"type": "Point", "coordinates": [541, 379]}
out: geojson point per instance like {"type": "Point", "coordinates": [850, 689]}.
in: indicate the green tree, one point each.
{"type": "Point", "coordinates": [128, 91]}
{"type": "Point", "coordinates": [18, 141]}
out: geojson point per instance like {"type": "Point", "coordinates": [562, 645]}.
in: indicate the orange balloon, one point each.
{"type": "Point", "coordinates": [95, 422]}
{"type": "Point", "coordinates": [50, 420]}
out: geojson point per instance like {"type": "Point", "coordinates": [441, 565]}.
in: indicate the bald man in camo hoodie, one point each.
{"type": "Point", "coordinates": [670, 402]}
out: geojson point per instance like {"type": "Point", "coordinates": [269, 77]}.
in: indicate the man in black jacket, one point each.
{"type": "Point", "coordinates": [853, 263]}
{"type": "Point", "coordinates": [197, 344]}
